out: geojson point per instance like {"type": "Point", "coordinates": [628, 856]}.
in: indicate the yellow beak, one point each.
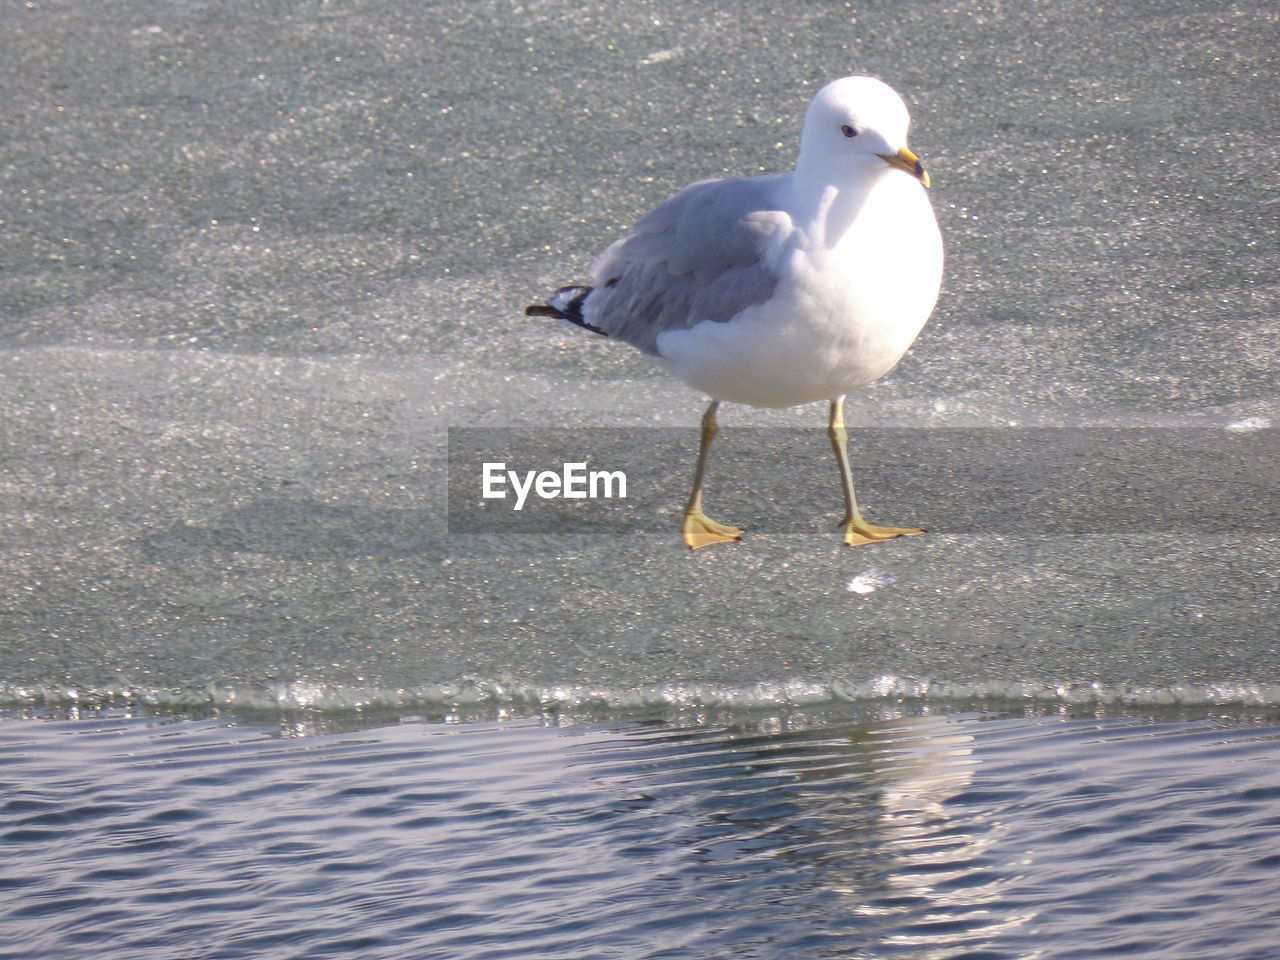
{"type": "Point", "coordinates": [904, 159]}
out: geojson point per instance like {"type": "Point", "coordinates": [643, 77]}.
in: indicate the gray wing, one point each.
{"type": "Point", "coordinates": [698, 256]}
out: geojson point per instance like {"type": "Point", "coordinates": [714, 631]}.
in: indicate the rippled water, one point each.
{"type": "Point", "coordinates": [938, 836]}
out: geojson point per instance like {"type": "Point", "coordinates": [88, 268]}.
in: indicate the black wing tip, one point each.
{"type": "Point", "coordinates": [569, 301]}
{"type": "Point", "coordinates": [565, 304]}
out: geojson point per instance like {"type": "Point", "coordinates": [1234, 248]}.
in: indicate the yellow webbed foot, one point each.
{"type": "Point", "coordinates": [699, 530]}
{"type": "Point", "coordinates": [858, 532]}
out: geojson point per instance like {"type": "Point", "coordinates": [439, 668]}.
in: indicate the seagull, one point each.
{"type": "Point", "coordinates": [782, 289]}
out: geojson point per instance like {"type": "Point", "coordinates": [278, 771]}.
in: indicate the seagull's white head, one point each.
{"type": "Point", "coordinates": [856, 122]}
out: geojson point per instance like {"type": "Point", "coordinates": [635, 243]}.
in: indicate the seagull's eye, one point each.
{"type": "Point", "coordinates": [848, 131]}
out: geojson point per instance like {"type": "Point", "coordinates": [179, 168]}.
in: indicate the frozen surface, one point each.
{"type": "Point", "coordinates": [258, 258]}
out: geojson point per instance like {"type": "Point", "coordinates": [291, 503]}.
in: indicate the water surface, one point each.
{"type": "Point", "coordinates": [870, 832]}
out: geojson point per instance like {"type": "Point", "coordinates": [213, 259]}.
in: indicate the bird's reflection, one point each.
{"type": "Point", "coordinates": [849, 829]}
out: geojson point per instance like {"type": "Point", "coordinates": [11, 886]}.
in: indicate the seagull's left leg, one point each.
{"type": "Point", "coordinates": [856, 530]}
{"type": "Point", "coordinates": [699, 530]}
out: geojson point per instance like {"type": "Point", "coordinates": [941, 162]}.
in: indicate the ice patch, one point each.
{"type": "Point", "coordinates": [1249, 424]}
{"type": "Point", "coordinates": [660, 56]}
{"type": "Point", "coordinates": [869, 580]}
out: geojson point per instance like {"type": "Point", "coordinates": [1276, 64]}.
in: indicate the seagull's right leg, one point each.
{"type": "Point", "coordinates": [698, 529]}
